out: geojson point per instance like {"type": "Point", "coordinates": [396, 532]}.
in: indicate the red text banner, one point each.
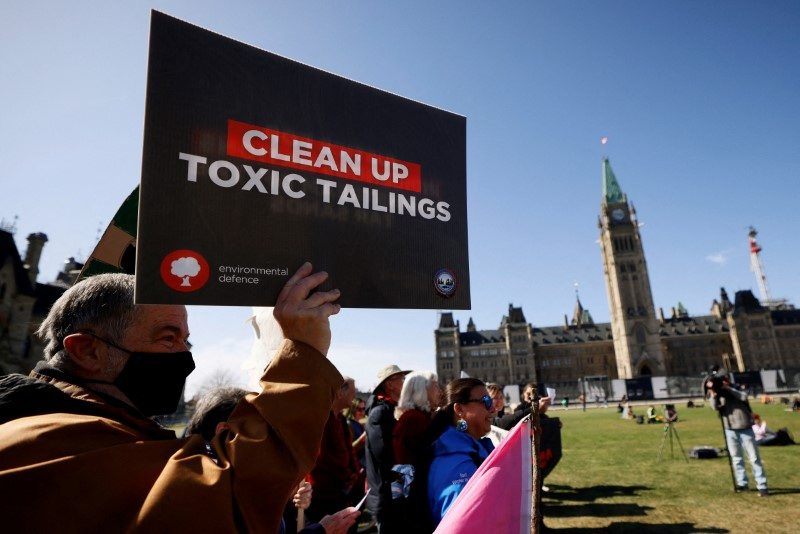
{"type": "Point", "coordinates": [257, 143]}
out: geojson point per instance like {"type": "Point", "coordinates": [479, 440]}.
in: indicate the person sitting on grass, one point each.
{"type": "Point", "coordinates": [651, 416]}
{"type": "Point", "coordinates": [765, 436]}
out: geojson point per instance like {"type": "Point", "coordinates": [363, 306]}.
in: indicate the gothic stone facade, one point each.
{"type": "Point", "coordinates": [24, 303]}
{"type": "Point", "coordinates": [743, 335]}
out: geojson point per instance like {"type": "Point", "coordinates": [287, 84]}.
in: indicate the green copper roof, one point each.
{"type": "Point", "coordinates": [611, 189]}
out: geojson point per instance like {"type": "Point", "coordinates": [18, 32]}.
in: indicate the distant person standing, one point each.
{"type": "Point", "coordinates": [507, 422]}
{"type": "Point", "coordinates": [355, 415]}
{"type": "Point", "coordinates": [336, 470]}
{"type": "Point", "coordinates": [358, 438]}
{"type": "Point", "coordinates": [380, 452]}
{"type": "Point", "coordinates": [737, 418]}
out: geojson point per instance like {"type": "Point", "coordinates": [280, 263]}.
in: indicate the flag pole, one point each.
{"type": "Point", "coordinates": [536, 472]}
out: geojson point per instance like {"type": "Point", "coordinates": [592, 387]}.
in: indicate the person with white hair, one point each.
{"type": "Point", "coordinates": [418, 399]}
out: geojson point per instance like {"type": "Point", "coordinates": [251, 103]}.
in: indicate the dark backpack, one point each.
{"type": "Point", "coordinates": [704, 452]}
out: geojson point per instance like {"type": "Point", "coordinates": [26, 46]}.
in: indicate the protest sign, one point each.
{"type": "Point", "coordinates": [254, 164]}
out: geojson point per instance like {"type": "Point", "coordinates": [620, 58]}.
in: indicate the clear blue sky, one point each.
{"type": "Point", "coordinates": [699, 101]}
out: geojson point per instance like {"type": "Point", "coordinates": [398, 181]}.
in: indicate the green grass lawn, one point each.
{"type": "Point", "coordinates": [610, 480]}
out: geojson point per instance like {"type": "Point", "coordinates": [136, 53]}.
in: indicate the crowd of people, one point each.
{"type": "Point", "coordinates": [298, 455]}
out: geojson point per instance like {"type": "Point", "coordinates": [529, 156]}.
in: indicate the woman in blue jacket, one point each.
{"type": "Point", "coordinates": [466, 414]}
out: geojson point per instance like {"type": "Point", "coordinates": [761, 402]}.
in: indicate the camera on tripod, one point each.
{"type": "Point", "coordinates": [716, 382]}
{"type": "Point", "coordinates": [715, 377]}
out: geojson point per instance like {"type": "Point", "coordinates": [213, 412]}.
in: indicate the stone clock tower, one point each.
{"type": "Point", "coordinates": [637, 344]}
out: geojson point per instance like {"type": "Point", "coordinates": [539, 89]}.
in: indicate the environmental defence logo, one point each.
{"type": "Point", "coordinates": [445, 282]}
{"type": "Point", "coordinates": [184, 270]}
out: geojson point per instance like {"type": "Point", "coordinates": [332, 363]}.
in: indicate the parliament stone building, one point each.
{"type": "Point", "coordinates": [740, 335]}
{"type": "Point", "coordinates": [24, 302]}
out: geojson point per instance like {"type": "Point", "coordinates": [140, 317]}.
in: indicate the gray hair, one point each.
{"type": "Point", "coordinates": [102, 304]}
{"type": "Point", "coordinates": [494, 389]}
{"type": "Point", "coordinates": [347, 383]}
{"type": "Point", "coordinates": [213, 408]}
{"type": "Point", "coordinates": [415, 393]}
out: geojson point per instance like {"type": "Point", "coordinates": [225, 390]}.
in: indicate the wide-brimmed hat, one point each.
{"type": "Point", "coordinates": [385, 374]}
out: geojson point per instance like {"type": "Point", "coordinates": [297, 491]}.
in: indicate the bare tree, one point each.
{"type": "Point", "coordinates": [221, 377]}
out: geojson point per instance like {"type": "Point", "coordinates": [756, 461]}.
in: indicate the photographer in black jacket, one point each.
{"type": "Point", "coordinates": [737, 420]}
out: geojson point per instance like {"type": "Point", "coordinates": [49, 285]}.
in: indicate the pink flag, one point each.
{"type": "Point", "coordinates": [604, 140]}
{"type": "Point", "coordinates": [498, 496]}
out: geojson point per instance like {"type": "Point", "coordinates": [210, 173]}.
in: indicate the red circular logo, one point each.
{"type": "Point", "coordinates": [185, 270]}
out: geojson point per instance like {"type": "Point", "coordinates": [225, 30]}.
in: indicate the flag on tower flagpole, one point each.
{"type": "Point", "coordinates": [498, 496]}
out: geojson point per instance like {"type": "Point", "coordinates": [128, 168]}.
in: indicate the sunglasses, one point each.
{"type": "Point", "coordinates": [486, 400]}
{"type": "Point", "coordinates": [360, 408]}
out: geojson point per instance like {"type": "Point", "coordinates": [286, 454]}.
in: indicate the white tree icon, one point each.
{"type": "Point", "coordinates": [185, 268]}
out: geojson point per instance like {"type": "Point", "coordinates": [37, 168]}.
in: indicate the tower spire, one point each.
{"type": "Point", "coordinates": [637, 345]}
{"type": "Point", "coordinates": [577, 314]}
{"type": "Point", "coordinates": [612, 192]}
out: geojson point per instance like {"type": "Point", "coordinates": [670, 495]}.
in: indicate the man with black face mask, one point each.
{"type": "Point", "coordinates": [79, 451]}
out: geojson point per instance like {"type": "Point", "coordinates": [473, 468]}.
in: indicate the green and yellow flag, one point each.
{"type": "Point", "coordinates": [116, 250]}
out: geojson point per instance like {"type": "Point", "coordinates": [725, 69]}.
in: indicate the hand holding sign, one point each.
{"type": "Point", "coordinates": [303, 315]}
{"type": "Point", "coordinates": [364, 181]}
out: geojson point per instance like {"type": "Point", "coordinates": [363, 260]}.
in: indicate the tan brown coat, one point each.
{"type": "Point", "coordinates": [64, 472]}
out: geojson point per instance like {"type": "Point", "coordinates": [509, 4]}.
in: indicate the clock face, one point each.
{"type": "Point", "coordinates": [618, 214]}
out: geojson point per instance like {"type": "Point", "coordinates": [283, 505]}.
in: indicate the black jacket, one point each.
{"type": "Point", "coordinates": [379, 451]}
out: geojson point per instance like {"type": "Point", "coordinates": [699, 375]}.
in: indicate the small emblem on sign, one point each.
{"type": "Point", "coordinates": [184, 270]}
{"type": "Point", "coordinates": [445, 282]}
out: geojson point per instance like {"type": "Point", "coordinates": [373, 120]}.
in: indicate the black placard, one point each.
{"type": "Point", "coordinates": [254, 163]}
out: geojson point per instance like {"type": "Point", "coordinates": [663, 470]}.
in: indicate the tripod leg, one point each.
{"type": "Point", "coordinates": [663, 441]}
{"type": "Point", "coordinates": [678, 437]}
{"type": "Point", "coordinates": [671, 447]}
